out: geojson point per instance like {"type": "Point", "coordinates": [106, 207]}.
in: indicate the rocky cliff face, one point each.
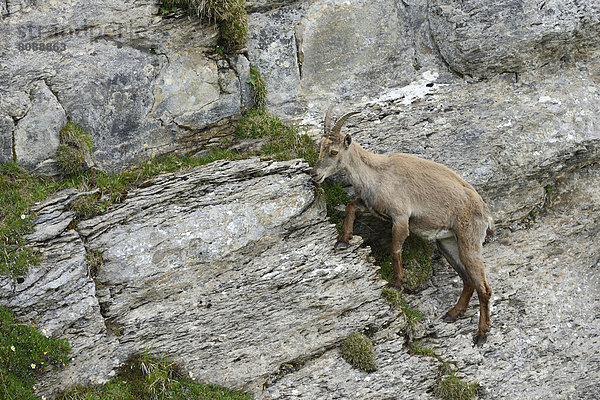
{"type": "Point", "coordinates": [228, 268]}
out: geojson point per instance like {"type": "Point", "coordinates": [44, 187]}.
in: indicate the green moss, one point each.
{"type": "Point", "coordinates": [258, 87]}
{"type": "Point", "coordinates": [396, 299]}
{"type": "Point", "coordinates": [146, 377]}
{"type": "Point", "coordinates": [74, 150]}
{"type": "Point", "coordinates": [358, 351]}
{"type": "Point", "coordinates": [450, 387]}
{"type": "Point", "coordinates": [230, 15]}
{"type": "Point", "coordinates": [24, 354]}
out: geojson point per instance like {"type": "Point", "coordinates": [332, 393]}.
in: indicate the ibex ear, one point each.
{"type": "Point", "coordinates": [347, 140]}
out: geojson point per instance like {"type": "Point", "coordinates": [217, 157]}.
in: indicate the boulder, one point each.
{"type": "Point", "coordinates": [36, 135]}
{"type": "Point", "coordinates": [228, 269]}
{"type": "Point", "coordinates": [140, 84]}
{"type": "Point", "coordinates": [482, 40]}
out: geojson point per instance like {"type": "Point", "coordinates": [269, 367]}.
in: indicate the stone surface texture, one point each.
{"type": "Point", "coordinates": [229, 268]}
{"type": "Point", "coordinates": [214, 266]}
{"type": "Point", "coordinates": [139, 83]}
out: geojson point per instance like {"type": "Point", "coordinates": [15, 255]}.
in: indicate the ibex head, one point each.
{"type": "Point", "coordinates": [334, 148]}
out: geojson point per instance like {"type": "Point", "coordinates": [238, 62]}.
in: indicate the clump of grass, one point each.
{"type": "Point", "coordinates": [358, 351]}
{"type": "Point", "coordinates": [450, 387]}
{"type": "Point", "coordinates": [416, 261]}
{"type": "Point", "coordinates": [420, 350]}
{"type": "Point", "coordinates": [282, 142]}
{"type": "Point", "coordinates": [18, 192]}
{"type": "Point", "coordinates": [146, 377]}
{"type": "Point", "coordinates": [396, 299]}
{"type": "Point", "coordinates": [94, 260]}
{"type": "Point", "coordinates": [74, 152]}
{"type": "Point", "coordinates": [334, 196]}
{"type": "Point", "coordinates": [230, 15]}
{"type": "Point", "coordinates": [258, 86]}
{"type": "Point", "coordinates": [24, 354]}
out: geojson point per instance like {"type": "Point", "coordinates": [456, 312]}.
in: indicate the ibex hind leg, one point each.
{"type": "Point", "coordinates": [449, 249]}
{"type": "Point", "coordinates": [471, 258]}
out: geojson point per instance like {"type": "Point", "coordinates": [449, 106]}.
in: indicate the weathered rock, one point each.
{"type": "Point", "coordinates": [139, 84]}
{"type": "Point", "coordinates": [481, 39]}
{"type": "Point", "coordinates": [227, 268]}
{"type": "Point", "coordinates": [60, 297]}
{"type": "Point", "coordinates": [36, 137]}
{"type": "Point", "coordinates": [544, 336]}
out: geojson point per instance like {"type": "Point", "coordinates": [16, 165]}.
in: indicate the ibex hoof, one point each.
{"type": "Point", "coordinates": [339, 245]}
{"type": "Point", "coordinates": [480, 340]}
{"type": "Point", "coordinates": [448, 318]}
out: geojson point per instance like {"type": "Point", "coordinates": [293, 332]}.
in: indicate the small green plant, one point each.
{"type": "Point", "coordinates": [450, 387]}
{"type": "Point", "coordinates": [167, 7]}
{"type": "Point", "coordinates": [230, 15]}
{"type": "Point", "coordinates": [18, 192]}
{"type": "Point", "coordinates": [94, 260]}
{"type": "Point", "coordinates": [282, 142]}
{"type": "Point", "coordinates": [416, 261]}
{"type": "Point", "coordinates": [147, 377]}
{"type": "Point", "coordinates": [396, 299]}
{"type": "Point", "coordinates": [420, 350]}
{"type": "Point", "coordinates": [258, 87]}
{"type": "Point", "coordinates": [24, 354]}
{"type": "Point", "coordinates": [334, 196]}
{"type": "Point", "coordinates": [74, 152]}
{"type": "Point", "coordinates": [358, 351]}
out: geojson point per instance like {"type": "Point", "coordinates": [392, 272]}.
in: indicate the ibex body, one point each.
{"type": "Point", "coordinates": [418, 196]}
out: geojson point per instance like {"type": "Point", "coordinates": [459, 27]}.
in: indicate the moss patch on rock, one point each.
{"type": "Point", "coordinates": [359, 352]}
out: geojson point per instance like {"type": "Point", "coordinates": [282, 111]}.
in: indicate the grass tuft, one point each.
{"type": "Point", "coordinates": [359, 352]}
{"type": "Point", "coordinates": [19, 191]}
{"type": "Point", "coordinates": [74, 152]}
{"type": "Point", "coordinates": [282, 142]}
{"type": "Point", "coordinates": [450, 387]}
{"type": "Point", "coordinates": [24, 354]}
{"type": "Point", "coordinates": [396, 299]}
{"type": "Point", "coordinates": [230, 15]}
{"type": "Point", "coordinates": [419, 350]}
{"type": "Point", "coordinates": [258, 86]}
{"type": "Point", "coordinates": [147, 377]}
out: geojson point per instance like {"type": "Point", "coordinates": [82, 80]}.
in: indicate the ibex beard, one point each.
{"type": "Point", "coordinates": [418, 196]}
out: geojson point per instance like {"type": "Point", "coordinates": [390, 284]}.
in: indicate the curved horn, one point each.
{"type": "Point", "coordinates": [328, 120]}
{"type": "Point", "coordinates": [340, 122]}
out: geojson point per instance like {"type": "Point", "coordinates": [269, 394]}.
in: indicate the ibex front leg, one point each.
{"type": "Point", "coordinates": [399, 235]}
{"type": "Point", "coordinates": [348, 226]}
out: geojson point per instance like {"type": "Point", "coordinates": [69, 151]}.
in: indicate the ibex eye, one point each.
{"type": "Point", "coordinates": [333, 152]}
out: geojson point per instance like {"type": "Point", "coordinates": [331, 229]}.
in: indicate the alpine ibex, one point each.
{"type": "Point", "coordinates": [418, 196]}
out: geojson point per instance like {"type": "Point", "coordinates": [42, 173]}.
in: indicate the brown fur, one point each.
{"type": "Point", "coordinates": [419, 196]}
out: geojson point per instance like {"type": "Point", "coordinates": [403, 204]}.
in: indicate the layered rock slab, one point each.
{"type": "Point", "coordinates": [228, 269]}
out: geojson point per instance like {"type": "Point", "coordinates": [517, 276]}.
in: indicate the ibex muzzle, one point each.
{"type": "Point", "coordinates": [418, 196]}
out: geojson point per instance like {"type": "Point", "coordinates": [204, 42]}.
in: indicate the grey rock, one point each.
{"type": "Point", "coordinates": [36, 135]}
{"type": "Point", "coordinates": [311, 53]}
{"type": "Point", "coordinates": [60, 297]}
{"type": "Point", "coordinates": [7, 127]}
{"type": "Point", "coordinates": [139, 84]}
{"type": "Point", "coordinates": [228, 268]}
{"type": "Point", "coordinates": [479, 39]}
